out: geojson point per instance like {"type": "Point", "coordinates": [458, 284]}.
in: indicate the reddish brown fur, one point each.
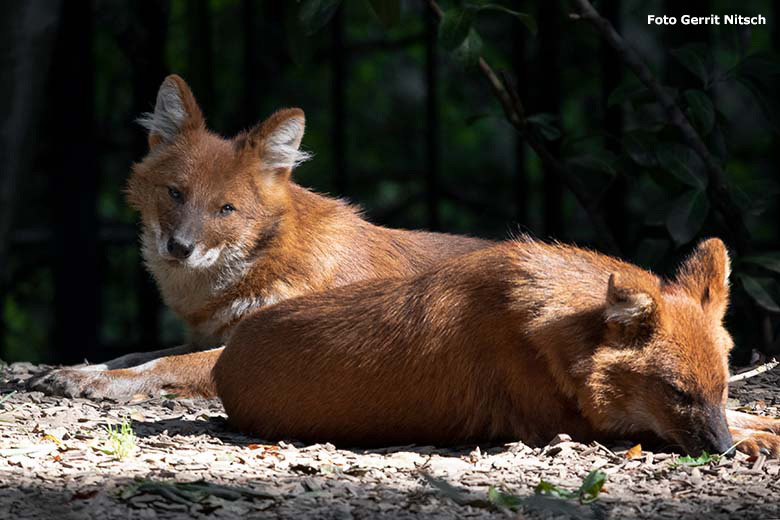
{"type": "Point", "coordinates": [298, 241]}
{"type": "Point", "coordinates": [281, 241]}
{"type": "Point", "coordinates": [523, 340]}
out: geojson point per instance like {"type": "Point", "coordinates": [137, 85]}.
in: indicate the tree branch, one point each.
{"type": "Point", "coordinates": [717, 188]}
{"type": "Point", "coordinates": [515, 114]}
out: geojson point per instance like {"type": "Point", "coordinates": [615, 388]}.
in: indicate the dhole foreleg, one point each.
{"type": "Point", "coordinates": [138, 358]}
{"type": "Point", "coordinates": [184, 375]}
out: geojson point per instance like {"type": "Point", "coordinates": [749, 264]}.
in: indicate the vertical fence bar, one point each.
{"type": "Point", "coordinates": [611, 75]}
{"type": "Point", "coordinates": [338, 104]}
{"type": "Point", "coordinates": [74, 189]}
{"type": "Point", "coordinates": [265, 59]}
{"type": "Point", "coordinates": [250, 111]}
{"type": "Point", "coordinates": [200, 47]}
{"type": "Point", "coordinates": [148, 70]}
{"type": "Point", "coordinates": [431, 121]}
{"type": "Point", "coordinates": [521, 184]}
{"type": "Point", "coordinates": [549, 100]}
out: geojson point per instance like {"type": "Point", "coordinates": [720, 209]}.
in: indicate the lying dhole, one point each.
{"type": "Point", "coordinates": [519, 341]}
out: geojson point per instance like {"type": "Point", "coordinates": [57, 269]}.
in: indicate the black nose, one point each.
{"type": "Point", "coordinates": [717, 437]}
{"type": "Point", "coordinates": [178, 249]}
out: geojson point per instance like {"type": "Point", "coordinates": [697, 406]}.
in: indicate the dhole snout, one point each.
{"type": "Point", "coordinates": [179, 249]}
{"type": "Point", "coordinates": [701, 427]}
{"type": "Point", "coordinates": [714, 437]}
{"type": "Point", "coordinates": [181, 238]}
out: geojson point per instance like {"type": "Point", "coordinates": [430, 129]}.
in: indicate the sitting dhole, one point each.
{"type": "Point", "coordinates": [522, 340]}
{"type": "Point", "coordinates": [225, 231]}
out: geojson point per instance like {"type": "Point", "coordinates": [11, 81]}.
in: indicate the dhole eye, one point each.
{"type": "Point", "coordinates": [682, 395]}
{"type": "Point", "coordinates": [226, 209]}
{"type": "Point", "coordinates": [174, 193]}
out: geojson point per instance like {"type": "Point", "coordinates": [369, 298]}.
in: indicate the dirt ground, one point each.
{"type": "Point", "coordinates": [57, 461]}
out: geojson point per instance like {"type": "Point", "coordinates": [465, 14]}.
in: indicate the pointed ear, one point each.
{"type": "Point", "coordinates": [277, 140]}
{"type": "Point", "coordinates": [174, 112]}
{"type": "Point", "coordinates": [630, 302]}
{"type": "Point", "coordinates": [705, 276]}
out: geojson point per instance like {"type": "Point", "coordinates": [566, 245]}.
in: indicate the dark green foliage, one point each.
{"type": "Point", "coordinates": [387, 11]}
{"type": "Point", "coordinates": [455, 26]}
{"type": "Point", "coordinates": [457, 34]}
{"type": "Point", "coordinates": [545, 124]}
{"type": "Point", "coordinates": [697, 59]}
{"type": "Point", "coordinates": [701, 460]}
{"type": "Point", "coordinates": [315, 14]}
{"type": "Point", "coordinates": [588, 491]}
{"type": "Point", "coordinates": [700, 111]}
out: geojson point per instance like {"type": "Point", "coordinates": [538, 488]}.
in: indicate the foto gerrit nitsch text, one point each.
{"type": "Point", "coordinates": [712, 19]}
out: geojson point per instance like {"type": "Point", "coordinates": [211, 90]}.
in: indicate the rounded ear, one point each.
{"type": "Point", "coordinates": [277, 140]}
{"type": "Point", "coordinates": [630, 301]}
{"type": "Point", "coordinates": [174, 112]}
{"type": "Point", "coordinates": [705, 276]}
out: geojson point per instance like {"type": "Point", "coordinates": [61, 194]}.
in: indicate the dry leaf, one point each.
{"type": "Point", "coordinates": [84, 495]}
{"type": "Point", "coordinates": [267, 450]}
{"type": "Point", "coordinates": [634, 452]}
{"type": "Point", "coordinates": [49, 437]}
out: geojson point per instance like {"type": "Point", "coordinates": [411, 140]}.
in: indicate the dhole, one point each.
{"type": "Point", "coordinates": [519, 341]}
{"type": "Point", "coordinates": [225, 231]}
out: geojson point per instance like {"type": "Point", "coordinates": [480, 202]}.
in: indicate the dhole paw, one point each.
{"type": "Point", "coordinates": [755, 443]}
{"type": "Point", "coordinates": [770, 425]}
{"type": "Point", "coordinates": [746, 421]}
{"type": "Point", "coordinates": [68, 382]}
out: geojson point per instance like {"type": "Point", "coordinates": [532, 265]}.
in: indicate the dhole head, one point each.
{"type": "Point", "coordinates": [204, 199]}
{"type": "Point", "coordinates": [663, 364]}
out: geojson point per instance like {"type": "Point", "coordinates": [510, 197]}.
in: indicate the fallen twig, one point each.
{"type": "Point", "coordinates": [769, 365]}
{"type": "Point", "coordinates": [609, 452]}
{"type": "Point", "coordinates": [7, 397]}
